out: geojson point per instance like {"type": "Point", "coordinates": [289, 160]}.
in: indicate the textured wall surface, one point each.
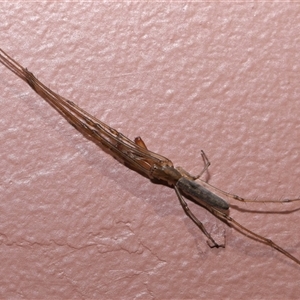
{"type": "Point", "coordinates": [75, 223]}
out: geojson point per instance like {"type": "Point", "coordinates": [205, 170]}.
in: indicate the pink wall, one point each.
{"type": "Point", "coordinates": [74, 223]}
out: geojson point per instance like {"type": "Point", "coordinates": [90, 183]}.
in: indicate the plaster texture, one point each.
{"type": "Point", "coordinates": [224, 77]}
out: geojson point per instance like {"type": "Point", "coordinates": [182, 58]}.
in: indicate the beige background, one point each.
{"type": "Point", "coordinates": [74, 223]}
